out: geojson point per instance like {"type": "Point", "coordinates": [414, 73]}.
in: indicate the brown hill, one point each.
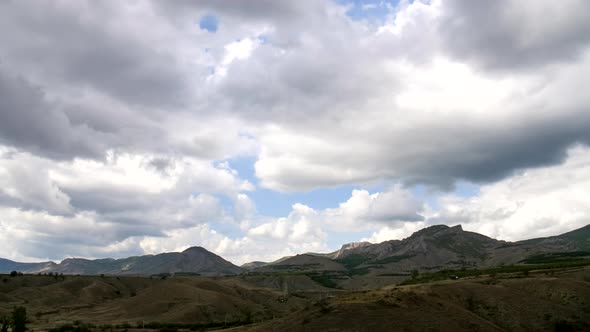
{"type": "Point", "coordinates": [538, 303]}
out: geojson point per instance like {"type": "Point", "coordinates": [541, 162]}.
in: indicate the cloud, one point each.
{"type": "Point", "coordinates": [363, 210]}
{"type": "Point", "coordinates": [56, 207]}
{"type": "Point", "coordinates": [94, 52]}
{"type": "Point", "coordinates": [267, 241]}
{"type": "Point", "coordinates": [514, 35]}
{"type": "Point", "coordinates": [414, 130]}
{"type": "Point", "coordinates": [28, 120]}
{"type": "Point", "coordinates": [25, 182]}
{"type": "Point", "coordinates": [121, 117]}
{"type": "Point", "coordinates": [534, 203]}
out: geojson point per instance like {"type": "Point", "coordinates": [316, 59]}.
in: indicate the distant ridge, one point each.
{"type": "Point", "coordinates": [432, 248]}
{"type": "Point", "coordinates": [195, 260]}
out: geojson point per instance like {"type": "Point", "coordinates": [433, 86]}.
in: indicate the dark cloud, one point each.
{"type": "Point", "coordinates": [512, 34]}
{"type": "Point", "coordinates": [29, 121]}
{"type": "Point", "coordinates": [262, 10]}
{"type": "Point", "coordinates": [482, 153]}
{"type": "Point", "coordinates": [96, 52]}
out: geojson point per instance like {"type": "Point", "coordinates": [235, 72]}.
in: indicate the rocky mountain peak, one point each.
{"type": "Point", "coordinates": [354, 245]}
{"type": "Point", "coordinates": [438, 230]}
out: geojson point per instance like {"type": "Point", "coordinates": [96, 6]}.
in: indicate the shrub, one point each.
{"type": "Point", "coordinates": [5, 323]}
{"type": "Point", "coordinates": [19, 319]}
{"type": "Point", "coordinates": [168, 329]}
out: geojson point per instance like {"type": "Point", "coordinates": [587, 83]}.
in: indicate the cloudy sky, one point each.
{"type": "Point", "coordinates": [263, 128]}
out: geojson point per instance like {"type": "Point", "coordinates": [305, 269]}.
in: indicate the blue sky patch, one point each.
{"type": "Point", "coordinates": [369, 9]}
{"type": "Point", "coordinates": [209, 23]}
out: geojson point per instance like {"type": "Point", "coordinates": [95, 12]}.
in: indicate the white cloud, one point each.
{"type": "Point", "coordinates": [128, 133]}
{"type": "Point", "coordinates": [538, 202]}
{"type": "Point", "coordinates": [397, 232]}
{"type": "Point", "coordinates": [365, 210]}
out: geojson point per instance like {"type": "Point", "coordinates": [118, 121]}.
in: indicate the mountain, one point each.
{"type": "Point", "coordinates": [195, 260]}
{"type": "Point", "coordinates": [434, 248]}
{"type": "Point", "coordinates": [347, 247]}
{"type": "Point", "coordinates": [302, 263]}
{"type": "Point", "coordinates": [443, 247]}
{"type": "Point", "coordinates": [6, 266]}
{"type": "Point", "coordinates": [253, 265]}
{"type": "Point", "coordinates": [430, 249]}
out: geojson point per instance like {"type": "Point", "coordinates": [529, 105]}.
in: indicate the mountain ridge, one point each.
{"type": "Point", "coordinates": [194, 260]}
{"type": "Point", "coordinates": [431, 248]}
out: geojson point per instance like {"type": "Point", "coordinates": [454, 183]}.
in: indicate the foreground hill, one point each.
{"type": "Point", "coordinates": [200, 301]}
{"type": "Point", "coordinates": [541, 302]}
{"type": "Point", "coordinates": [195, 260]}
{"type": "Point", "coordinates": [549, 300]}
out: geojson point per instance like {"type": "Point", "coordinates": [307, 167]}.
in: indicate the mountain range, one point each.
{"type": "Point", "coordinates": [194, 260]}
{"type": "Point", "coordinates": [430, 249]}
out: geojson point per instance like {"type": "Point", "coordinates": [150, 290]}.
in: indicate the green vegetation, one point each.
{"type": "Point", "coordinates": [5, 323]}
{"type": "Point", "coordinates": [358, 272]}
{"type": "Point", "coordinates": [524, 269]}
{"type": "Point", "coordinates": [19, 319]}
{"type": "Point", "coordinates": [556, 257]}
{"type": "Point", "coordinates": [352, 261]}
{"type": "Point", "coordinates": [467, 247]}
{"type": "Point", "coordinates": [324, 279]}
{"type": "Point", "coordinates": [71, 328]}
{"type": "Point", "coordinates": [392, 259]}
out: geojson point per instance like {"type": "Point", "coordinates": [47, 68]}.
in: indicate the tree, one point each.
{"type": "Point", "coordinates": [5, 323]}
{"type": "Point", "coordinates": [13, 274]}
{"type": "Point", "coordinates": [19, 319]}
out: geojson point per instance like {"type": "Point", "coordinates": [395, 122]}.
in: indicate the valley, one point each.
{"type": "Point", "coordinates": [439, 279]}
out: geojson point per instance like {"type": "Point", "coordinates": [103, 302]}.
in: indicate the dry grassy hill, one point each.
{"type": "Point", "coordinates": [52, 301]}
{"type": "Point", "coordinates": [544, 300]}
{"type": "Point", "coordinates": [540, 302]}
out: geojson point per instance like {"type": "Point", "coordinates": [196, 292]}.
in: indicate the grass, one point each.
{"type": "Point", "coordinates": [556, 257]}
{"type": "Point", "coordinates": [392, 259]}
{"type": "Point", "coordinates": [524, 269]}
{"type": "Point", "coordinates": [353, 260]}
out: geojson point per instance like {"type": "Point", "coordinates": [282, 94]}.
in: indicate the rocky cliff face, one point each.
{"type": "Point", "coordinates": [443, 247]}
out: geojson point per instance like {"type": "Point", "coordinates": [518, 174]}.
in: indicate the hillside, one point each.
{"type": "Point", "coordinates": [302, 263]}
{"type": "Point", "coordinates": [365, 265]}
{"type": "Point", "coordinates": [7, 266]}
{"type": "Point", "coordinates": [442, 247]}
{"type": "Point", "coordinates": [253, 265]}
{"type": "Point", "coordinates": [51, 301]}
{"type": "Point", "coordinates": [195, 260]}
{"type": "Point", "coordinates": [539, 301]}
{"type": "Point", "coordinates": [355, 265]}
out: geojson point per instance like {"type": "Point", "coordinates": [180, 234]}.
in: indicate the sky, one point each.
{"type": "Point", "coordinates": [260, 129]}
